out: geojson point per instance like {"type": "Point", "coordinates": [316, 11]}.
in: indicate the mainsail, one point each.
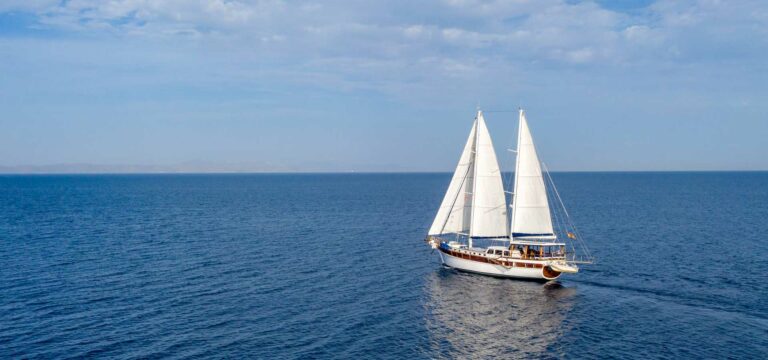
{"type": "Point", "coordinates": [530, 209]}
{"type": "Point", "coordinates": [456, 209]}
{"type": "Point", "coordinates": [489, 206]}
{"type": "Point", "coordinates": [474, 204]}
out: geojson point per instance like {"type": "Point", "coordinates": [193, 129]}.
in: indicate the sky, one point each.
{"type": "Point", "coordinates": [270, 85]}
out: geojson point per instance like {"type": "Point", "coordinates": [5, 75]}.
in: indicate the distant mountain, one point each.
{"type": "Point", "coordinates": [188, 167]}
{"type": "Point", "coordinates": [197, 167]}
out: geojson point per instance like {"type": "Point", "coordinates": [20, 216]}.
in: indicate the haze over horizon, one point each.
{"type": "Point", "coordinates": [333, 86]}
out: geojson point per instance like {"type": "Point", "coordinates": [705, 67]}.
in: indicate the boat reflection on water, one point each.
{"type": "Point", "coordinates": [477, 316]}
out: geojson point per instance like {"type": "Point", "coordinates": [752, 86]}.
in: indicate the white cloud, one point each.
{"type": "Point", "coordinates": [469, 36]}
{"type": "Point", "coordinates": [580, 55]}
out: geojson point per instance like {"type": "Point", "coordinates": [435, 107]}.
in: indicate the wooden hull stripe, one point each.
{"type": "Point", "coordinates": [483, 259]}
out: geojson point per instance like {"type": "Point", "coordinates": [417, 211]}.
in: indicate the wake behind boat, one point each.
{"type": "Point", "coordinates": [473, 231]}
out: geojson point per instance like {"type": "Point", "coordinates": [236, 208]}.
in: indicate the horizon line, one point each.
{"type": "Point", "coordinates": [351, 172]}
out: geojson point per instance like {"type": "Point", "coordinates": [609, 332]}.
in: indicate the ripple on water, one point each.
{"type": "Point", "coordinates": [333, 266]}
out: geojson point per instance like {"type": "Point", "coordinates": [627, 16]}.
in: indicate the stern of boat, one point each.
{"type": "Point", "coordinates": [564, 267]}
{"type": "Point", "coordinates": [548, 273]}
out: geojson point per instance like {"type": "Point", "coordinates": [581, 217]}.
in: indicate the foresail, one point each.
{"type": "Point", "coordinates": [455, 211]}
{"type": "Point", "coordinates": [530, 215]}
{"type": "Point", "coordinates": [489, 206]}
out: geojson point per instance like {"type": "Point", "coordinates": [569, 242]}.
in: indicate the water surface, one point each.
{"type": "Point", "coordinates": [333, 266]}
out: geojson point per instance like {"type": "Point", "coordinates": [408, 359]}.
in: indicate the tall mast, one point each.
{"type": "Point", "coordinates": [474, 177]}
{"type": "Point", "coordinates": [517, 173]}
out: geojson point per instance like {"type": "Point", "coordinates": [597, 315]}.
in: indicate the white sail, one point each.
{"type": "Point", "coordinates": [455, 211]}
{"type": "Point", "coordinates": [489, 206]}
{"type": "Point", "coordinates": [530, 209]}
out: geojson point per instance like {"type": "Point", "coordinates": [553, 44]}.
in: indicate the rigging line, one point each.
{"type": "Point", "coordinates": [453, 203]}
{"type": "Point", "coordinates": [556, 192]}
{"type": "Point", "coordinates": [458, 191]}
{"type": "Point", "coordinates": [581, 242]}
{"type": "Point", "coordinates": [564, 219]}
{"type": "Point", "coordinates": [555, 214]}
{"type": "Point", "coordinates": [511, 186]}
{"type": "Point", "coordinates": [560, 222]}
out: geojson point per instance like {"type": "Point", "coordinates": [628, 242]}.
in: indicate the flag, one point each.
{"type": "Point", "coordinates": [571, 235]}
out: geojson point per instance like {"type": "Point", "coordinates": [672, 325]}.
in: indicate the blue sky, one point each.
{"type": "Point", "coordinates": [381, 86]}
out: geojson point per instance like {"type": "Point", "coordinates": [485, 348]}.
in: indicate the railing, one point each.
{"type": "Point", "coordinates": [536, 256]}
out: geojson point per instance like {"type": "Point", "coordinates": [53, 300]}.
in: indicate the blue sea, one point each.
{"type": "Point", "coordinates": [325, 266]}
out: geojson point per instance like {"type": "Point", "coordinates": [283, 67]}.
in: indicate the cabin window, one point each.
{"type": "Point", "coordinates": [498, 252]}
{"type": "Point", "coordinates": [506, 253]}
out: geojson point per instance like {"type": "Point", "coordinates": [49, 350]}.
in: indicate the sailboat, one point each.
{"type": "Point", "coordinates": [474, 232]}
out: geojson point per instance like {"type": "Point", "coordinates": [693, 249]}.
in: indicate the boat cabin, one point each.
{"type": "Point", "coordinates": [455, 245]}
{"type": "Point", "coordinates": [497, 250]}
{"type": "Point", "coordinates": [534, 250]}
{"type": "Point", "coordinates": [525, 250]}
{"type": "Point", "coordinates": [528, 251]}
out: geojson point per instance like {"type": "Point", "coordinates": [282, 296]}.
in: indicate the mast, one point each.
{"type": "Point", "coordinates": [478, 118]}
{"type": "Point", "coordinates": [513, 198]}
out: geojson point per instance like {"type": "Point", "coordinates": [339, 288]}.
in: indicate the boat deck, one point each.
{"type": "Point", "coordinates": [477, 254]}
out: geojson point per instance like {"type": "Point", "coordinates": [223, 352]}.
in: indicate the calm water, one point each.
{"type": "Point", "coordinates": [333, 266]}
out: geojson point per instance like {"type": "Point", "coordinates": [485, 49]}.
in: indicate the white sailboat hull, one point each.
{"type": "Point", "coordinates": [533, 273]}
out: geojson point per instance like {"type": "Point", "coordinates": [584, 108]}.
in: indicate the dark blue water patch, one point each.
{"type": "Point", "coordinates": [334, 266]}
